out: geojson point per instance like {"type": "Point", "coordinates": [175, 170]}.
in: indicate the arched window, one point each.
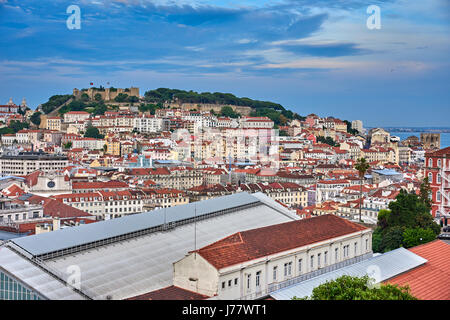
{"type": "Point", "coordinates": [430, 177]}
{"type": "Point", "coordinates": [439, 178]}
{"type": "Point", "coordinates": [430, 163]}
{"type": "Point", "coordinates": [439, 162]}
{"type": "Point", "coordinates": [438, 196]}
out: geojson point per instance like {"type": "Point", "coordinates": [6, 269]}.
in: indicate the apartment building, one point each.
{"type": "Point", "coordinates": [437, 169]}
{"type": "Point", "coordinates": [14, 212]}
{"type": "Point", "coordinates": [111, 204]}
{"type": "Point", "coordinates": [25, 163]}
{"type": "Point", "coordinates": [74, 116]}
{"type": "Point", "coordinates": [54, 123]}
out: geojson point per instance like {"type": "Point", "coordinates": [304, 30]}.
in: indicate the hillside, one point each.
{"type": "Point", "coordinates": [222, 104]}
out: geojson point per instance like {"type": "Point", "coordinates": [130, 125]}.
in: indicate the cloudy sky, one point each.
{"type": "Point", "coordinates": [308, 55]}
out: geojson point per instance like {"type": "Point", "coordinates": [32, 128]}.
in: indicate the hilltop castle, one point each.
{"type": "Point", "coordinates": [108, 94]}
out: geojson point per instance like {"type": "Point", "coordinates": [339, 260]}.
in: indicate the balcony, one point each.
{"type": "Point", "coordinates": [294, 280]}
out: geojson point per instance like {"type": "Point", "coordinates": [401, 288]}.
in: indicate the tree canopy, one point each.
{"type": "Point", "coordinates": [358, 288]}
{"type": "Point", "coordinates": [168, 95]}
{"type": "Point", "coordinates": [36, 118]}
{"type": "Point", "coordinates": [92, 132]}
{"type": "Point", "coordinates": [407, 223]}
{"type": "Point", "coordinates": [55, 102]}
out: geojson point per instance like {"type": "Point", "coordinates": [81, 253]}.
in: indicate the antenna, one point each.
{"type": "Point", "coordinates": [195, 231]}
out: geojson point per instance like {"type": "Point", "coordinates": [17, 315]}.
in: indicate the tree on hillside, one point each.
{"type": "Point", "coordinates": [92, 132]}
{"type": "Point", "coordinates": [132, 99]}
{"type": "Point", "coordinates": [36, 118]}
{"type": "Point", "coordinates": [16, 126]}
{"type": "Point", "coordinates": [358, 288]}
{"type": "Point", "coordinates": [349, 128]}
{"type": "Point", "coordinates": [84, 97]}
{"type": "Point", "coordinates": [98, 97]}
{"type": "Point", "coordinates": [121, 97]}
{"type": "Point", "coordinates": [362, 166]}
{"type": "Point", "coordinates": [228, 111]}
{"type": "Point", "coordinates": [327, 140]}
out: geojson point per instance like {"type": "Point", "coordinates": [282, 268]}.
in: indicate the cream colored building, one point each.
{"type": "Point", "coordinates": [251, 264]}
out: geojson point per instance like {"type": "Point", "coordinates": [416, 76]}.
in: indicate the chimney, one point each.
{"type": "Point", "coordinates": [56, 223]}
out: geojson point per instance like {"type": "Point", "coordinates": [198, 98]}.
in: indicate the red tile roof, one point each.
{"type": "Point", "coordinates": [253, 244]}
{"type": "Point", "coordinates": [430, 281]}
{"type": "Point", "coordinates": [170, 293]}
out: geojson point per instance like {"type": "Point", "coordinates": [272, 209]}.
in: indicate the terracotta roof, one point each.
{"type": "Point", "coordinates": [170, 293]}
{"type": "Point", "coordinates": [253, 244]}
{"type": "Point", "coordinates": [430, 281]}
{"type": "Point", "coordinates": [55, 208]}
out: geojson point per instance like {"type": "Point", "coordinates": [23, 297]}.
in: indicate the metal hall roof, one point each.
{"type": "Point", "coordinates": [71, 237]}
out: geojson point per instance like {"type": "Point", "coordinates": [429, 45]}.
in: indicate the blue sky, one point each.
{"type": "Point", "coordinates": [310, 56]}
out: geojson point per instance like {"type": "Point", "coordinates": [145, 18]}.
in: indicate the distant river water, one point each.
{"type": "Point", "coordinates": [445, 137]}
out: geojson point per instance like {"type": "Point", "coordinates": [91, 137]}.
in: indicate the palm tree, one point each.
{"type": "Point", "coordinates": [362, 166]}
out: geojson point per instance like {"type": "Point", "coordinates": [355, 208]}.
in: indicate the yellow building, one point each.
{"type": "Point", "coordinates": [54, 123]}
{"type": "Point", "coordinates": [113, 146]}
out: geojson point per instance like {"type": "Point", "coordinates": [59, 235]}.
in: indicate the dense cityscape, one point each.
{"type": "Point", "coordinates": [118, 176]}
{"type": "Point", "coordinates": [225, 159]}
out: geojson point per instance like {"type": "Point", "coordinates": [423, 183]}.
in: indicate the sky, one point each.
{"type": "Point", "coordinates": [311, 56]}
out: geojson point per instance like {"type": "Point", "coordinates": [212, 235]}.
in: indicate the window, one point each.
{"type": "Point", "coordinates": [439, 178]}
{"type": "Point", "coordinates": [235, 281]}
{"type": "Point", "coordinates": [438, 196]}
{"type": "Point", "coordinates": [312, 262]}
{"type": "Point", "coordinates": [223, 285]}
{"type": "Point", "coordinates": [356, 248]}
{"type": "Point", "coordinates": [300, 265]}
{"type": "Point", "coordinates": [249, 277]}
{"type": "Point", "coordinates": [430, 177]}
{"type": "Point", "coordinates": [275, 273]}
{"type": "Point", "coordinates": [336, 254]}
{"type": "Point", "coordinates": [229, 283]}
{"type": "Point", "coordinates": [367, 244]}
{"type": "Point", "coordinates": [439, 163]}
{"type": "Point", "coordinates": [258, 276]}
{"type": "Point", "coordinates": [318, 260]}
{"type": "Point", "coordinates": [287, 269]}
{"type": "Point", "coordinates": [325, 258]}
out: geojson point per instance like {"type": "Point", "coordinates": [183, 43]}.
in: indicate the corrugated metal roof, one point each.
{"type": "Point", "coordinates": [384, 266]}
{"type": "Point", "coordinates": [140, 265]}
{"type": "Point", "coordinates": [75, 236]}
{"type": "Point", "coordinates": [35, 278]}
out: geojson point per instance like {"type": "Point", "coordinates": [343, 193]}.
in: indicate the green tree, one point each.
{"type": "Point", "coordinates": [68, 145]}
{"type": "Point", "coordinates": [84, 97]}
{"type": "Point", "coordinates": [16, 126]}
{"type": "Point", "coordinates": [132, 99]}
{"type": "Point", "coordinates": [92, 132]}
{"type": "Point", "coordinates": [36, 118]}
{"type": "Point", "coordinates": [362, 166]}
{"type": "Point", "coordinates": [228, 111]}
{"type": "Point", "coordinates": [121, 97]}
{"type": "Point", "coordinates": [425, 192]}
{"type": "Point", "coordinates": [415, 236]}
{"type": "Point", "coordinates": [406, 222]}
{"type": "Point", "coordinates": [98, 97]}
{"type": "Point", "coordinates": [358, 288]}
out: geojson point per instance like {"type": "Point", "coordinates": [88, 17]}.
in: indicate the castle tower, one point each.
{"type": "Point", "coordinates": [10, 102]}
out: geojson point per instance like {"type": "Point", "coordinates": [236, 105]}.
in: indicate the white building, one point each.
{"type": "Point", "coordinates": [148, 123]}
{"type": "Point", "coordinates": [249, 264]}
